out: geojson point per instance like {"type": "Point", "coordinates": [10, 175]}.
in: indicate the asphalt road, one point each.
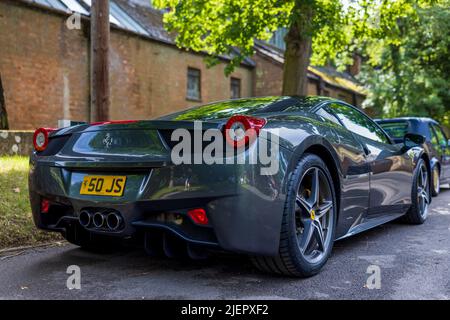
{"type": "Point", "coordinates": [414, 263]}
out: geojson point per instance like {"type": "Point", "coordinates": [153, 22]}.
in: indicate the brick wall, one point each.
{"type": "Point", "coordinates": [268, 77]}
{"type": "Point", "coordinates": [149, 78]}
{"type": "Point", "coordinates": [268, 80]}
{"type": "Point", "coordinates": [45, 71]}
{"type": "Point", "coordinates": [43, 67]}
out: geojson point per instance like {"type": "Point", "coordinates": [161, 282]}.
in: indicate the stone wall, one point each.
{"type": "Point", "coordinates": [14, 142]}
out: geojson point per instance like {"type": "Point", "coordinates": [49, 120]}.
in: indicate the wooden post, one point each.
{"type": "Point", "coordinates": [100, 91]}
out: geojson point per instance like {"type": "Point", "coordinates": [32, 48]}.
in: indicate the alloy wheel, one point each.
{"type": "Point", "coordinates": [314, 215]}
{"type": "Point", "coordinates": [422, 191]}
{"type": "Point", "coordinates": [436, 181]}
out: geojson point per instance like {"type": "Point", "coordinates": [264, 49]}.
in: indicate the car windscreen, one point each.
{"type": "Point", "coordinates": [254, 106]}
{"type": "Point", "coordinates": [395, 130]}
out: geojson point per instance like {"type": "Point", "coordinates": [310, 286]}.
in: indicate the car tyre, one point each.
{"type": "Point", "coordinates": [420, 195]}
{"type": "Point", "coordinates": [296, 257]}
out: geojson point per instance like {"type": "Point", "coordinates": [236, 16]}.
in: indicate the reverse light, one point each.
{"type": "Point", "coordinates": [40, 138]}
{"type": "Point", "coordinates": [198, 216]}
{"type": "Point", "coordinates": [45, 205]}
{"type": "Point", "coordinates": [242, 130]}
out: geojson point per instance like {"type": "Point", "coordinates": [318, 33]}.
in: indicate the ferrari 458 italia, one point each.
{"type": "Point", "coordinates": [333, 173]}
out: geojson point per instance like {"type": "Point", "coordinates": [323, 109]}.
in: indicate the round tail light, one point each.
{"type": "Point", "coordinates": [40, 139]}
{"type": "Point", "coordinates": [242, 130]}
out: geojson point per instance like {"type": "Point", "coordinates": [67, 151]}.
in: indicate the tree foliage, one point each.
{"type": "Point", "coordinates": [404, 42]}
{"type": "Point", "coordinates": [229, 27]}
{"type": "Point", "coordinates": [410, 75]}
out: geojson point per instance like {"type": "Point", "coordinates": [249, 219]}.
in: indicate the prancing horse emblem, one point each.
{"type": "Point", "coordinates": [108, 141]}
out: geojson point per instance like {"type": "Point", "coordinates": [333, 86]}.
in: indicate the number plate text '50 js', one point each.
{"type": "Point", "coordinates": [103, 185]}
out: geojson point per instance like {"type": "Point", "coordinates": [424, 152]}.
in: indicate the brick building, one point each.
{"type": "Point", "coordinates": [44, 66]}
{"type": "Point", "coordinates": [323, 81]}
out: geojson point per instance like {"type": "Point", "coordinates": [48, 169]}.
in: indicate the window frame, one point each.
{"type": "Point", "coordinates": [329, 106]}
{"type": "Point", "coordinates": [435, 128]}
{"type": "Point", "coordinates": [192, 98]}
{"type": "Point", "coordinates": [235, 80]}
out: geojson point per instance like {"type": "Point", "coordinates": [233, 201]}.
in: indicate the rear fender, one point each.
{"type": "Point", "coordinates": [418, 153]}
{"type": "Point", "coordinates": [309, 143]}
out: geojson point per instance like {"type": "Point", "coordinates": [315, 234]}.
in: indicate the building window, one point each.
{"type": "Point", "coordinates": [193, 84]}
{"type": "Point", "coordinates": [235, 88]}
{"type": "Point", "coordinates": [326, 93]}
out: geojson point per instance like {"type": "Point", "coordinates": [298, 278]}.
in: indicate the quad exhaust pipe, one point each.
{"type": "Point", "coordinates": [85, 218]}
{"type": "Point", "coordinates": [110, 220]}
{"type": "Point", "coordinates": [98, 219]}
{"type": "Point", "coordinates": [113, 221]}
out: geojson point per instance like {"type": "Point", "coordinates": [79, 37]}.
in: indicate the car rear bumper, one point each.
{"type": "Point", "coordinates": [244, 208]}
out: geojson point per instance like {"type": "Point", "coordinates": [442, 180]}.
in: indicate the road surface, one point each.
{"type": "Point", "coordinates": [413, 262]}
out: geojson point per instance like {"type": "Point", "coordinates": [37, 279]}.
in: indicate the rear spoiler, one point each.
{"type": "Point", "coordinates": [78, 126]}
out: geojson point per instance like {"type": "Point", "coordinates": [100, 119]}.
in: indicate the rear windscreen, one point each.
{"type": "Point", "coordinates": [120, 143]}
{"type": "Point", "coordinates": [396, 130]}
{"type": "Point", "coordinates": [253, 106]}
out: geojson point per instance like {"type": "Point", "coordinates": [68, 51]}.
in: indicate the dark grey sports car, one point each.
{"type": "Point", "coordinates": [333, 173]}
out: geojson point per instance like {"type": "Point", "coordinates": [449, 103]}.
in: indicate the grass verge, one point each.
{"type": "Point", "coordinates": [16, 224]}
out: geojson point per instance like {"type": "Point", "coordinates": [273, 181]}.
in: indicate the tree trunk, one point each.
{"type": "Point", "coordinates": [3, 115]}
{"type": "Point", "coordinates": [298, 51]}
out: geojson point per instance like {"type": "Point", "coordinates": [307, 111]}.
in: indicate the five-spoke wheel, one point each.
{"type": "Point", "coordinates": [420, 195]}
{"type": "Point", "coordinates": [314, 214]}
{"type": "Point", "coordinates": [309, 221]}
{"type": "Point", "coordinates": [423, 191]}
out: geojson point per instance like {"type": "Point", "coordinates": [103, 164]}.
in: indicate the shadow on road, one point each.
{"type": "Point", "coordinates": [130, 262]}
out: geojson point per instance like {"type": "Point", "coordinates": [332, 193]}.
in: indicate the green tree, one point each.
{"type": "Point", "coordinates": [319, 31]}
{"type": "Point", "coordinates": [229, 27]}
{"type": "Point", "coordinates": [411, 76]}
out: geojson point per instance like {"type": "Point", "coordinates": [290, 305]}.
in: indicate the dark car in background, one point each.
{"type": "Point", "coordinates": [437, 144]}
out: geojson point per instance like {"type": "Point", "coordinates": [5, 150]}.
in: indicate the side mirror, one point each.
{"type": "Point", "coordinates": [413, 140]}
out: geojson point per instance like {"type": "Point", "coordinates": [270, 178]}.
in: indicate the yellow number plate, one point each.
{"type": "Point", "coordinates": [103, 185]}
